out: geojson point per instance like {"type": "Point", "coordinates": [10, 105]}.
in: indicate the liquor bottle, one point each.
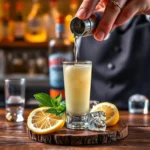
{"type": "Point", "coordinates": [49, 19]}
{"type": "Point", "coordinates": [6, 23]}
{"type": "Point", "coordinates": [19, 25]}
{"type": "Point", "coordinates": [1, 11]}
{"type": "Point", "coordinates": [17, 63]}
{"type": "Point", "coordinates": [42, 62]}
{"type": "Point", "coordinates": [1, 15]}
{"type": "Point", "coordinates": [73, 8]}
{"type": "Point", "coordinates": [35, 26]}
{"type": "Point", "coordinates": [32, 65]}
{"type": "Point", "coordinates": [60, 49]}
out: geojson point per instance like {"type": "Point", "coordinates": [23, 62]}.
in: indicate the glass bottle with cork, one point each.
{"type": "Point", "coordinates": [60, 49]}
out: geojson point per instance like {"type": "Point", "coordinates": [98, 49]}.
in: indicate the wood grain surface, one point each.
{"type": "Point", "coordinates": [13, 136]}
{"type": "Point", "coordinates": [82, 137]}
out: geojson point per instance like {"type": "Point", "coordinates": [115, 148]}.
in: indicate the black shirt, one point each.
{"type": "Point", "coordinates": [121, 64]}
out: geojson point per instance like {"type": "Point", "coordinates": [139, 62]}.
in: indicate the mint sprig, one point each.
{"type": "Point", "coordinates": [56, 105]}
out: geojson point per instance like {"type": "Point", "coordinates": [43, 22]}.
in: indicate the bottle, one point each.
{"type": "Point", "coordinates": [42, 63]}
{"type": "Point", "coordinates": [32, 65]}
{"type": "Point", "coordinates": [19, 25]}
{"type": "Point", "coordinates": [35, 26]}
{"type": "Point", "coordinates": [9, 66]}
{"type": "Point", "coordinates": [73, 8]}
{"type": "Point", "coordinates": [60, 49]}
{"type": "Point", "coordinates": [1, 11]}
{"type": "Point", "coordinates": [17, 63]}
{"type": "Point", "coordinates": [1, 15]}
{"type": "Point", "coordinates": [54, 13]}
{"type": "Point", "coordinates": [49, 19]}
{"type": "Point", "coordinates": [85, 27]}
{"type": "Point", "coordinates": [2, 63]}
{"type": "Point", "coordinates": [7, 24]}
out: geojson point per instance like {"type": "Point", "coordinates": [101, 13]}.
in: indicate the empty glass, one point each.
{"type": "Point", "coordinates": [14, 99]}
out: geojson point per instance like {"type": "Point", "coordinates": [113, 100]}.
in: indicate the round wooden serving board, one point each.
{"type": "Point", "coordinates": [67, 136]}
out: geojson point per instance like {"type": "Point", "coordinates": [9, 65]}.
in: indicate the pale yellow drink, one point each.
{"type": "Point", "coordinates": [77, 80]}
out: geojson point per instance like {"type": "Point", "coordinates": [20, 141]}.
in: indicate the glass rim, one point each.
{"type": "Point", "coordinates": [15, 80]}
{"type": "Point", "coordinates": [78, 62]}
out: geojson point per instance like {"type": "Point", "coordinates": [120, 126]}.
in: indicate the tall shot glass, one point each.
{"type": "Point", "coordinates": [15, 99]}
{"type": "Point", "coordinates": [77, 80]}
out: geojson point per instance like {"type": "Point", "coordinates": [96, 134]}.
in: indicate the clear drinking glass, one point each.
{"type": "Point", "coordinates": [14, 99]}
{"type": "Point", "coordinates": [77, 80]}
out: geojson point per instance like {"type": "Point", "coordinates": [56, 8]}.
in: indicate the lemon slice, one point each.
{"type": "Point", "coordinates": [41, 122]}
{"type": "Point", "coordinates": [111, 111]}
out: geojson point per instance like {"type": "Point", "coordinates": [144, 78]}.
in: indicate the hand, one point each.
{"type": "Point", "coordinates": [113, 15]}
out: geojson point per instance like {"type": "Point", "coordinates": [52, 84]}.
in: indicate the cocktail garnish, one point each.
{"type": "Point", "coordinates": [56, 105]}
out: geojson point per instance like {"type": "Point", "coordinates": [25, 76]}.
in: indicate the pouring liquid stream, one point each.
{"type": "Point", "coordinates": [76, 47]}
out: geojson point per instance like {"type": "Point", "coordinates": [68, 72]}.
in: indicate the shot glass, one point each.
{"type": "Point", "coordinates": [77, 81]}
{"type": "Point", "coordinates": [14, 99]}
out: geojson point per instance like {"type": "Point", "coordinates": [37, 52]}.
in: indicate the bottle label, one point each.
{"type": "Point", "coordinates": [60, 28]}
{"type": "Point", "coordinates": [5, 26]}
{"type": "Point", "coordinates": [19, 29]}
{"type": "Point", "coordinates": [56, 69]}
{"type": "Point", "coordinates": [35, 25]}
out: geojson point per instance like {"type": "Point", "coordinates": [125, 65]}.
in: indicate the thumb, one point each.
{"type": "Point", "coordinates": [86, 9]}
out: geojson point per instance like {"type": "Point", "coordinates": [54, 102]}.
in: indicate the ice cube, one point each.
{"type": "Point", "coordinates": [96, 121]}
{"type": "Point", "coordinates": [93, 103]}
{"type": "Point", "coordinates": [138, 104]}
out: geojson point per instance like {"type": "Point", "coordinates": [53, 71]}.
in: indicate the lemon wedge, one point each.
{"type": "Point", "coordinates": [111, 111]}
{"type": "Point", "coordinates": [41, 122]}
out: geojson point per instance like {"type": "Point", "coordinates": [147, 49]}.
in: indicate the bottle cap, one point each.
{"type": "Point", "coordinates": [19, 6]}
{"type": "Point", "coordinates": [60, 19]}
{"type": "Point", "coordinates": [53, 3]}
{"type": "Point", "coordinates": [56, 92]}
{"type": "Point", "coordinates": [6, 6]}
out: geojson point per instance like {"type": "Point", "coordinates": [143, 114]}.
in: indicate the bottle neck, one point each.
{"type": "Point", "coordinates": [73, 6]}
{"type": "Point", "coordinates": [59, 30]}
{"type": "Point", "coordinates": [19, 11]}
{"type": "Point", "coordinates": [19, 6]}
{"type": "Point", "coordinates": [6, 9]}
{"type": "Point", "coordinates": [35, 10]}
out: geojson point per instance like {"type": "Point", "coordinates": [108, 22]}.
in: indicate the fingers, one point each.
{"type": "Point", "coordinates": [86, 9]}
{"type": "Point", "coordinates": [130, 10]}
{"type": "Point", "coordinates": [107, 21]}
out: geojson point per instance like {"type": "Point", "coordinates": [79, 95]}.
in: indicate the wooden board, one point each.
{"type": "Point", "coordinates": [82, 137]}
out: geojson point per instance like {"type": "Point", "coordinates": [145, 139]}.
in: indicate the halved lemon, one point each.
{"type": "Point", "coordinates": [111, 111]}
{"type": "Point", "coordinates": [41, 122]}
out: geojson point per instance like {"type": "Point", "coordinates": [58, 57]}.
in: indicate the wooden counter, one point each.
{"type": "Point", "coordinates": [13, 136]}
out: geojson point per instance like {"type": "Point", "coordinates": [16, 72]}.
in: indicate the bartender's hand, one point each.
{"type": "Point", "coordinates": [113, 15]}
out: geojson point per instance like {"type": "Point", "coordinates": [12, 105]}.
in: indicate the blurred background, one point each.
{"type": "Point", "coordinates": [26, 27]}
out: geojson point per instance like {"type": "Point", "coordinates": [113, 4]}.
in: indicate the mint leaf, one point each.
{"type": "Point", "coordinates": [51, 110]}
{"type": "Point", "coordinates": [59, 114]}
{"type": "Point", "coordinates": [56, 105]}
{"type": "Point", "coordinates": [41, 105]}
{"type": "Point", "coordinates": [61, 108]}
{"type": "Point", "coordinates": [63, 103]}
{"type": "Point", "coordinates": [58, 99]}
{"type": "Point", "coordinates": [44, 99]}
